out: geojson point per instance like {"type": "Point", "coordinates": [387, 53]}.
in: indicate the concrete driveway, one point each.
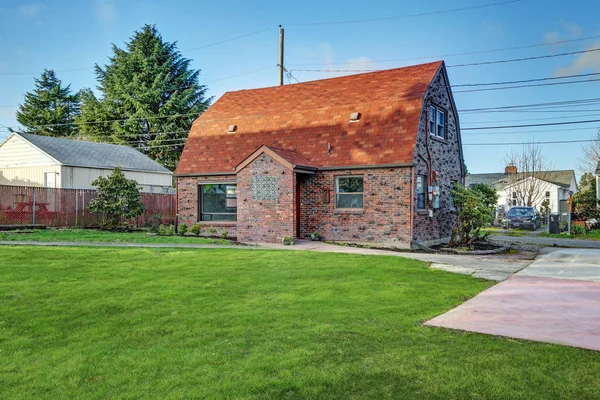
{"type": "Point", "coordinates": [556, 299]}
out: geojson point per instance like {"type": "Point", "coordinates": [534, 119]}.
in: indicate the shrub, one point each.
{"type": "Point", "coordinates": [212, 231]}
{"type": "Point", "coordinates": [577, 229]}
{"type": "Point", "coordinates": [118, 199]}
{"type": "Point", "coordinates": [224, 234]}
{"type": "Point", "coordinates": [196, 229]}
{"type": "Point", "coordinates": [476, 208]}
{"type": "Point", "coordinates": [166, 230]}
{"type": "Point", "coordinates": [288, 240]}
{"type": "Point", "coordinates": [316, 236]}
{"type": "Point", "coordinates": [183, 228]}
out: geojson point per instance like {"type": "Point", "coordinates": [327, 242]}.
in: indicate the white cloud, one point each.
{"type": "Point", "coordinates": [585, 61]}
{"type": "Point", "coordinates": [568, 30]}
{"type": "Point", "coordinates": [572, 28]}
{"type": "Point", "coordinates": [31, 10]}
{"type": "Point", "coordinates": [105, 12]}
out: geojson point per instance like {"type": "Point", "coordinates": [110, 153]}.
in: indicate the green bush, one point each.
{"type": "Point", "coordinates": [316, 236]}
{"type": "Point", "coordinates": [288, 240]}
{"type": "Point", "coordinates": [577, 230]}
{"type": "Point", "coordinates": [196, 229]}
{"type": "Point", "coordinates": [224, 234]}
{"type": "Point", "coordinates": [183, 228]}
{"type": "Point", "coordinates": [166, 230]}
{"type": "Point", "coordinates": [212, 231]}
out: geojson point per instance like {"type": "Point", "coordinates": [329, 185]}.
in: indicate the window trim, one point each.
{"type": "Point", "coordinates": [437, 110]}
{"type": "Point", "coordinates": [336, 193]}
{"type": "Point", "coordinates": [200, 201]}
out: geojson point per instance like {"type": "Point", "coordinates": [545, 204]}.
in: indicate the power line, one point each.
{"type": "Point", "coordinates": [526, 80]}
{"type": "Point", "coordinates": [191, 49]}
{"type": "Point", "coordinates": [405, 15]}
{"type": "Point", "coordinates": [528, 119]}
{"type": "Point", "coordinates": [570, 53]}
{"type": "Point", "coordinates": [528, 143]}
{"type": "Point", "coordinates": [555, 103]}
{"type": "Point", "coordinates": [546, 131]}
{"type": "Point", "coordinates": [526, 126]}
{"type": "Point", "coordinates": [447, 55]}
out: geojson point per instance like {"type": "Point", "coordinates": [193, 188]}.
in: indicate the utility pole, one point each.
{"type": "Point", "coordinates": [280, 56]}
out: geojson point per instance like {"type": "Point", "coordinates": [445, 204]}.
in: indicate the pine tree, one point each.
{"type": "Point", "coordinates": [149, 95]}
{"type": "Point", "coordinates": [50, 109]}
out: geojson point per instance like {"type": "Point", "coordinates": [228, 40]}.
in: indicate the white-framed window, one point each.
{"type": "Point", "coordinates": [420, 191]}
{"type": "Point", "coordinates": [437, 121]}
{"type": "Point", "coordinates": [349, 191]}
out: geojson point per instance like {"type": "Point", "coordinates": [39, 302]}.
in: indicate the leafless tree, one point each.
{"type": "Point", "coordinates": [591, 155]}
{"type": "Point", "coordinates": [529, 180]}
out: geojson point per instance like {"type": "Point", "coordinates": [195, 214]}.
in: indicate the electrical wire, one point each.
{"type": "Point", "coordinates": [528, 143]}
{"type": "Point", "coordinates": [406, 15]}
{"type": "Point", "coordinates": [528, 125]}
{"type": "Point", "coordinates": [447, 55]}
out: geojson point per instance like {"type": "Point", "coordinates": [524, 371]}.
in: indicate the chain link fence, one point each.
{"type": "Point", "coordinates": [23, 205]}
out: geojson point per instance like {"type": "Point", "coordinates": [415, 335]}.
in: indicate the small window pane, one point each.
{"type": "Point", "coordinates": [420, 192]}
{"type": "Point", "coordinates": [441, 122]}
{"type": "Point", "coordinates": [432, 120]}
{"type": "Point", "coordinates": [349, 200]}
{"type": "Point", "coordinates": [350, 184]}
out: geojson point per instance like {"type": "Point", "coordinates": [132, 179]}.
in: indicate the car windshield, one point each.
{"type": "Point", "coordinates": [520, 212]}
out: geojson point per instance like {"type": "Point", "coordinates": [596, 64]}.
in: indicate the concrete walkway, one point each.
{"type": "Point", "coordinates": [547, 241]}
{"type": "Point", "coordinates": [555, 300]}
{"type": "Point", "coordinates": [493, 267]}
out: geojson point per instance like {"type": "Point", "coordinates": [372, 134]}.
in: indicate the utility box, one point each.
{"type": "Point", "coordinates": [554, 223]}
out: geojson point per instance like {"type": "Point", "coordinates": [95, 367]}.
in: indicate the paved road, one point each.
{"type": "Point", "coordinates": [556, 299]}
{"type": "Point", "coordinates": [546, 241]}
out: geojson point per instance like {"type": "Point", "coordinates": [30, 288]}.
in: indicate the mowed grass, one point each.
{"type": "Point", "coordinates": [96, 235]}
{"type": "Point", "coordinates": [88, 323]}
{"type": "Point", "coordinates": [591, 235]}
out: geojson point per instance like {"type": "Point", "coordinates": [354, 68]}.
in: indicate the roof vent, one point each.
{"type": "Point", "coordinates": [232, 129]}
{"type": "Point", "coordinates": [355, 117]}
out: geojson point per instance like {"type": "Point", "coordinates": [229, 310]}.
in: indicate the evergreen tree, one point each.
{"type": "Point", "coordinates": [149, 96]}
{"type": "Point", "coordinates": [50, 109]}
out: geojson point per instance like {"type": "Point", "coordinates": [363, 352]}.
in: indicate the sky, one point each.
{"type": "Point", "coordinates": [235, 45]}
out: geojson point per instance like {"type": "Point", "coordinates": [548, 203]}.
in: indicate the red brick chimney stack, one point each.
{"type": "Point", "coordinates": [510, 169]}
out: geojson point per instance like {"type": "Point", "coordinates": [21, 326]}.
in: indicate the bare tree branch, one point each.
{"type": "Point", "coordinates": [588, 162]}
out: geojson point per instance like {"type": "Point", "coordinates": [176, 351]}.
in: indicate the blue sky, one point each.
{"type": "Point", "coordinates": [71, 36]}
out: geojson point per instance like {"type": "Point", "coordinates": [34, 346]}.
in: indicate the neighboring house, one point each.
{"type": "Point", "coordinates": [556, 188]}
{"type": "Point", "coordinates": [43, 161]}
{"type": "Point", "coordinates": [354, 158]}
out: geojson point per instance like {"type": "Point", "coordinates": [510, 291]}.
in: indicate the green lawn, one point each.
{"type": "Point", "coordinates": [95, 235]}
{"type": "Point", "coordinates": [591, 235]}
{"type": "Point", "coordinates": [91, 323]}
{"type": "Point", "coordinates": [505, 232]}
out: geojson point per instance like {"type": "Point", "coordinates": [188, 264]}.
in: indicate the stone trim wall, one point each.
{"type": "Point", "coordinates": [445, 160]}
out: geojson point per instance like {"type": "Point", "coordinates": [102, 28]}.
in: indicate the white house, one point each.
{"type": "Point", "coordinates": [43, 161]}
{"type": "Point", "coordinates": [598, 183]}
{"type": "Point", "coordinates": [556, 189]}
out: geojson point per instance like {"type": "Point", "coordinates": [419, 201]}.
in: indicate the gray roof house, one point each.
{"type": "Point", "coordinates": [556, 187]}
{"type": "Point", "coordinates": [43, 161]}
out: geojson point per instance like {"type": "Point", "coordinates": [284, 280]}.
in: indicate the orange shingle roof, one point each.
{"type": "Point", "coordinates": [306, 118]}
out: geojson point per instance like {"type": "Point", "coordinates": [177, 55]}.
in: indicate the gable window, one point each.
{"type": "Point", "coordinates": [349, 191]}
{"type": "Point", "coordinates": [217, 202]}
{"type": "Point", "coordinates": [547, 194]}
{"type": "Point", "coordinates": [437, 121]}
{"type": "Point", "coordinates": [420, 183]}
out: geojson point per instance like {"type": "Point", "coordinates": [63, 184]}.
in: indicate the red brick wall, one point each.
{"type": "Point", "coordinates": [187, 200]}
{"type": "Point", "coordinates": [266, 220]}
{"type": "Point", "coordinates": [385, 217]}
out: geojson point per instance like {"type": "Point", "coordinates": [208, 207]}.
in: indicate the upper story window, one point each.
{"type": "Point", "coordinates": [349, 191]}
{"type": "Point", "coordinates": [437, 121]}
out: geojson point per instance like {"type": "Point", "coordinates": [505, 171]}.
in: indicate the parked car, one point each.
{"type": "Point", "coordinates": [522, 217]}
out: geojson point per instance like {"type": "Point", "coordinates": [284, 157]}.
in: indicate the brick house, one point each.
{"type": "Point", "coordinates": [362, 158]}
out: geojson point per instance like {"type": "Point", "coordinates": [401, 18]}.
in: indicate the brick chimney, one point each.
{"type": "Point", "coordinates": [510, 169]}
